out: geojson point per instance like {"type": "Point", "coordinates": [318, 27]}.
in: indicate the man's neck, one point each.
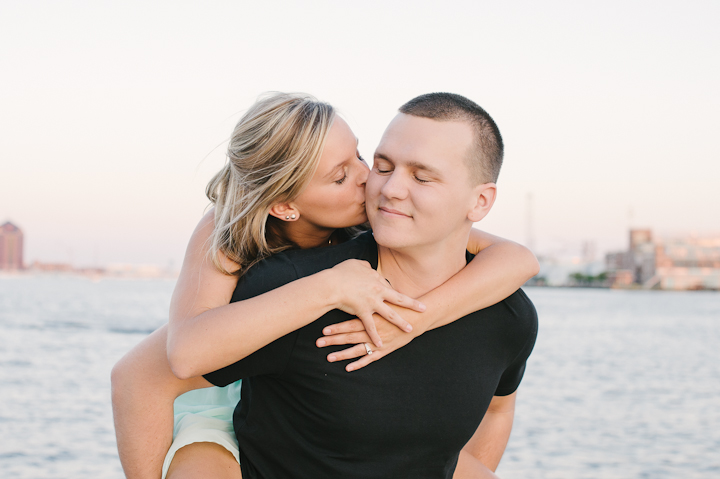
{"type": "Point", "coordinates": [416, 271]}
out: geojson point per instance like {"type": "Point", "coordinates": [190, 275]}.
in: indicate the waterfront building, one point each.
{"type": "Point", "coordinates": [660, 263]}
{"type": "Point", "coordinates": [692, 263]}
{"type": "Point", "coordinates": [51, 267]}
{"type": "Point", "coordinates": [11, 247]}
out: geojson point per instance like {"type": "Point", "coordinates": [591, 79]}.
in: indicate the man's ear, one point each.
{"type": "Point", "coordinates": [485, 197]}
{"type": "Point", "coordinates": [285, 211]}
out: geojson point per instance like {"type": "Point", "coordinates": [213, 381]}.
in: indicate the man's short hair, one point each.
{"type": "Point", "coordinates": [486, 155]}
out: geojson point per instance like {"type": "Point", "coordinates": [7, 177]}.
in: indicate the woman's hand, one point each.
{"type": "Point", "coordinates": [354, 332]}
{"type": "Point", "coordinates": [364, 292]}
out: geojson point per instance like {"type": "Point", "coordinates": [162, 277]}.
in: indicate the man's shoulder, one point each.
{"type": "Point", "coordinates": [518, 304]}
{"type": "Point", "coordinates": [519, 315]}
{"type": "Point", "coordinates": [515, 311]}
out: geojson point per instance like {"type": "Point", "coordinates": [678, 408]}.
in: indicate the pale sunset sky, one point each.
{"type": "Point", "coordinates": [114, 115]}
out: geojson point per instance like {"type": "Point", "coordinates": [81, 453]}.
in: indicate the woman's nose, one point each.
{"type": "Point", "coordinates": [363, 174]}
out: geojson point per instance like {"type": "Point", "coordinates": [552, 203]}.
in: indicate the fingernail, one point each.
{"type": "Point", "coordinates": [327, 331]}
{"type": "Point", "coordinates": [349, 368]}
{"type": "Point", "coordinates": [321, 342]}
{"type": "Point", "coordinates": [332, 358]}
{"type": "Point", "coordinates": [408, 328]}
{"type": "Point", "coordinates": [422, 307]}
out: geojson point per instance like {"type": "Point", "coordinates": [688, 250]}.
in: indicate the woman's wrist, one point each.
{"type": "Point", "coordinates": [420, 322]}
{"type": "Point", "coordinates": [330, 288]}
{"type": "Point", "coordinates": [437, 310]}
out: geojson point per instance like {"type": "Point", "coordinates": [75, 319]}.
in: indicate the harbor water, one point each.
{"type": "Point", "coordinates": [621, 384]}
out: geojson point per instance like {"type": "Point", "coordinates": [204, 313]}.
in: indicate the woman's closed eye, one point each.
{"type": "Point", "coordinates": [341, 180]}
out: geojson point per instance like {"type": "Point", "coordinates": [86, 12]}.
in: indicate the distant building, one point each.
{"type": "Point", "coordinates": [678, 264]}
{"type": "Point", "coordinates": [137, 271]}
{"type": "Point", "coordinates": [11, 247]}
{"type": "Point", "coordinates": [688, 264]}
{"type": "Point", "coordinates": [51, 267]}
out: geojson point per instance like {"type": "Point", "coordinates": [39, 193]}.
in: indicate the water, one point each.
{"type": "Point", "coordinates": [59, 337]}
{"type": "Point", "coordinates": [621, 384]}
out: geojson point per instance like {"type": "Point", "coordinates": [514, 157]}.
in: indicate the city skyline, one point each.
{"type": "Point", "coordinates": [114, 122]}
{"type": "Point", "coordinates": [648, 262]}
{"type": "Point", "coordinates": [583, 253]}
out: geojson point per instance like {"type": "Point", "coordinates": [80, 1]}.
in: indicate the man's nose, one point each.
{"type": "Point", "coordinates": [395, 186]}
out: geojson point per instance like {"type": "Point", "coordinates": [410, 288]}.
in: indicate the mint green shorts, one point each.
{"type": "Point", "coordinates": [205, 415]}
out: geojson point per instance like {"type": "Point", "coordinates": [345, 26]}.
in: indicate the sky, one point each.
{"type": "Point", "coordinates": [114, 115]}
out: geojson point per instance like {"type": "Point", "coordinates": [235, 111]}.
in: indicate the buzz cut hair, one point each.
{"type": "Point", "coordinates": [486, 153]}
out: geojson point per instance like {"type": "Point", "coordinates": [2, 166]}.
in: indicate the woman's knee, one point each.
{"type": "Point", "coordinates": [202, 460]}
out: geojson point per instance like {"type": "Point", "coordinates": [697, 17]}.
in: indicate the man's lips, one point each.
{"type": "Point", "coordinates": [392, 212]}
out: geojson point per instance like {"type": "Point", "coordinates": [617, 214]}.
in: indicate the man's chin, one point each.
{"type": "Point", "coordinates": [388, 237]}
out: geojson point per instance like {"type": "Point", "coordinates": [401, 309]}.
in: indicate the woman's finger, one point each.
{"type": "Point", "coordinates": [389, 314]}
{"type": "Point", "coordinates": [400, 299]}
{"type": "Point", "coordinates": [349, 353]}
{"type": "Point", "coordinates": [345, 338]}
{"type": "Point", "coordinates": [349, 326]}
{"type": "Point", "coordinates": [371, 329]}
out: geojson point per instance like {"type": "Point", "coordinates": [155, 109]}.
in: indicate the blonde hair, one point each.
{"type": "Point", "coordinates": [273, 153]}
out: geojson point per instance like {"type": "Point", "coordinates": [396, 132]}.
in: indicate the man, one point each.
{"type": "Point", "coordinates": [420, 412]}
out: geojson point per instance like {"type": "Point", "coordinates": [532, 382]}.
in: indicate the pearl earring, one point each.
{"type": "Point", "coordinates": [291, 217]}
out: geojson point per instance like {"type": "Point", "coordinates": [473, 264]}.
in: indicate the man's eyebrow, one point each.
{"type": "Point", "coordinates": [412, 164]}
{"type": "Point", "coordinates": [422, 166]}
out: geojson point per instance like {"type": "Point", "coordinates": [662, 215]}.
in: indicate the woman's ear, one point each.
{"type": "Point", "coordinates": [485, 196]}
{"type": "Point", "coordinates": [284, 212]}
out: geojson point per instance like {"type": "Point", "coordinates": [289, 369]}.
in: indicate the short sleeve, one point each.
{"type": "Point", "coordinates": [265, 276]}
{"type": "Point", "coordinates": [526, 315]}
{"type": "Point", "coordinates": [510, 380]}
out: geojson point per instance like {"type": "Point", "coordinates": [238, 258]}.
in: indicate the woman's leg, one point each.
{"type": "Point", "coordinates": [470, 467]}
{"type": "Point", "coordinates": [143, 391]}
{"type": "Point", "coordinates": [204, 460]}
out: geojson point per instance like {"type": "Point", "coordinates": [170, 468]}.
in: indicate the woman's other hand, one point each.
{"type": "Point", "coordinates": [354, 332]}
{"type": "Point", "coordinates": [364, 292]}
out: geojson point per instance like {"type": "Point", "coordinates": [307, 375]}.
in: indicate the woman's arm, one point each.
{"type": "Point", "coordinates": [206, 333]}
{"type": "Point", "coordinates": [499, 268]}
{"type": "Point", "coordinates": [143, 391]}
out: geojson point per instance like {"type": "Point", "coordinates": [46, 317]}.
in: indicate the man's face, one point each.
{"type": "Point", "coordinates": [419, 192]}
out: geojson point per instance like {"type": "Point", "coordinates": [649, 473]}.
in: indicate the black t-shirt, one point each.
{"type": "Point", "coordinates": [406, 415]}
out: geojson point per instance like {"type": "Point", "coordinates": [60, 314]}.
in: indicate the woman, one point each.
{"type": "Point", "coordinates": [294, 179]}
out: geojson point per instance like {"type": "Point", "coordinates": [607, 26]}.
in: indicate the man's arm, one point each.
{"type": "Point", "coordinates": [489, 441]}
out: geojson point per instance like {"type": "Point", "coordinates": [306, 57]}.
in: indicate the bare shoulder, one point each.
{"type": "Point", "coordinates": [201, 285]}
{"type": "Point", "coordinates": [200, 242]}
